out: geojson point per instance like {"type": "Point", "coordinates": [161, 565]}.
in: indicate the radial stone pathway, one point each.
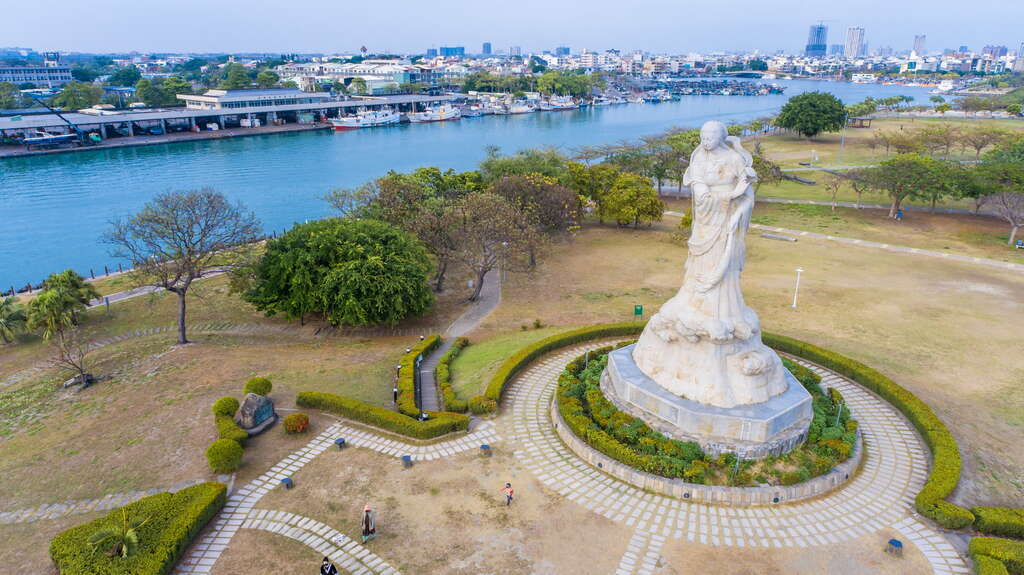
{"type": "Point", "coordinates": [880, 496]}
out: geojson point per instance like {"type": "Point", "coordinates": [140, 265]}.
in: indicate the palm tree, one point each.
{"type": "Point", "coordinates": [121, 540]}
{"type": "Point", "coordinates": [53, 312]}
{"type": "Point", "coordinates": [12, 318]}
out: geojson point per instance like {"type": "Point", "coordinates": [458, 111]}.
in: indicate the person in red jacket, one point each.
{"type": "Point", "coordinates": [509, 493]}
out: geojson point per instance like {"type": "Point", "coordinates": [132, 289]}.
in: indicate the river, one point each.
{"type": "Point", "coordinates": [54, 208]}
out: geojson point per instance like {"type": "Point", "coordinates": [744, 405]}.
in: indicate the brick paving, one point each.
{"type": "Point", "coordinates": [76, 507]}
{"type": "Point", "coordinates": [880, 496]}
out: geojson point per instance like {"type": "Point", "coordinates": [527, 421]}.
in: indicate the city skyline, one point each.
{"type": "Point", "coordinates": [655, 25]}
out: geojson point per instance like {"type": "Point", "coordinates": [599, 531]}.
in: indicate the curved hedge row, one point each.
{"type": "Point", "coordinates": [407, 374]}
{"type": "Point", "coordinates": [523, 357]}
{"type": "Point", "coordinates": [1000, 521]}
{"type": "Point", "coordinates": [438, 423]}
{"type": "Point", "coordinates": [172, 521]}
{"type": "Point", "coordinates": [443, 375]}
{"type": "Point", "coordinates": [995, 556]}
{"type": "Point", "coordinates": [945, 472]}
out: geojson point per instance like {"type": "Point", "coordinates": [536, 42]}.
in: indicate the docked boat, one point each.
{"type": "Point", "coordinates": [436, 114]}
{"type": "Point", "coordinates": [558, 103]}
{"type": "Point", "coordinates": [366, 119]}
{"type": "Point", "coordinates": [520, 108]}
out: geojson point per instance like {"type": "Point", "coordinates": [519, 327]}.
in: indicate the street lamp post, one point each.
{"type": "Point", "coordinates": [796, 290]}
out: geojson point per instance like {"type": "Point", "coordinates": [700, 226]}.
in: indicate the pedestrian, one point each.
{"type": "Point", "coordinates": [509, 492]}
{"type": "Point", "coordinates": [328, 568]}
{"type": "Point", "coordinates": [899, 215]}
{"type": "Point", "coordinates": [368, 524]}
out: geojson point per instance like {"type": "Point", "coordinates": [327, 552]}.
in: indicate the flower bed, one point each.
{"type": "Point", "coordinates": [630, 440]}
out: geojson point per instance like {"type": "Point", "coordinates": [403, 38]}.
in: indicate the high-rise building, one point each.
{"type": "Point", "coordinates": [487, 49]}
{"type": "Point", "coordinates": [817, 41]}
{"type": "Point", "coordinates": [855, 42]}
{"type": "Point", "coordinates": [996, 51]}
{"type": "Point", "coordinates": [515, 51]}
{"type": "Point", "coordinates": [562, 51]}
{"type": "Point", "coordinates": [453, 51]}
{"type": "Point", "coordinates": [431, 53]}
{"type": "Point", "coordinates": [836, 50]}
{"type": "Point", "coordinates": [920, 44]}
{"type": "Point", "coordinates": [1020, 52]}
{"type": "Point", "coordinates": [963, 49]}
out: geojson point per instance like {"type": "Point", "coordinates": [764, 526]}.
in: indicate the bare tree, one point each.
{"type": "Point", "coordinates": [859, 183]}
{"type": "Point", "coordinates": [1010, 206]}
{"type": "Point", "coordinates": [491, 233]}
{"type": "Point", "coordinates": [834, 183]}
{"type": "Point", "coordinates": [980, 138]}
{"type": "Point", "coordinates": [178, 237]}
{"type": "Point", "coordinates": [70, 352]}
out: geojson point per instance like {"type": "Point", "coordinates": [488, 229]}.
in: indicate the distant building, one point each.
{"type": "Point", "coordinates": [963, 49]}
{"type": "Point", "coordinates": [228, 99]}
{"type": "Point", "coordinates": [995, 51]}
{"type": "Point", "coordinates": [50, 76]}
{"type": "Point", "coordinates": [515, 51]}
{"type": "Point", "coordinates": [487, 50]}
{"type": "Point", "coordinates": [836, 50]}
{"type": "Point", "coordinates": [51, 59]}
{"type": "Point", "coordinates": [431, 53]}
{"type": "Point", "coordinates": [817, 41]}
{"type": "Point", "coordinates": [562, 51]}
{"type": "Point", "coordinates": [1020, 51]}
{"type": "Point", "coordinates": [855, 43]}
{"type": "Point", "coordinates": [920, 44]}
{"type": "Point", "coordinates": [453, 51]}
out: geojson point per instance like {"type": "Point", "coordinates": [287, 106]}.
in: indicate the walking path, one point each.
{"type": "Point", "coordinates": [490, 297]}
{"type": "Point", "coordinates": [888, 247]}
{"type": "Point", "coordinates": [880, 496]}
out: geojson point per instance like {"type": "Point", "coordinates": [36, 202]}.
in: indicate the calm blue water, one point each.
{"type": "Point", "coordinates": [54, 208]}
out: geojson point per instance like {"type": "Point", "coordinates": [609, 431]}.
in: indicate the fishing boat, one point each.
{"type": "Point", "coordinates": [366, 119]}
{"type": "Point", "coordinates": [520, 108]}
{"type": "Point", "coordinates": [558, 104]}
{"type": "Point", "coordinates": [435, 114]}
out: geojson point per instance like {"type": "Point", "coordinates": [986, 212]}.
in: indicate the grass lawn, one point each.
{"type": "Point", "coordinates": [475, 365]}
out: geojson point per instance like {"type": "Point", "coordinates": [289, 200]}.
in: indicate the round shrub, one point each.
{"type": "Point", "coordinates": [259, 386]}
{"type": "Point", "coordinates": [224, 456]}
{"type": "Point", "coordinates": [225, 406]}
{"type": "Point", "coordinates": [296, 423]}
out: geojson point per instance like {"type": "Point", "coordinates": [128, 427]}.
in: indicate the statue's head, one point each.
{"type": "Point", "coordinates": [713, 134]}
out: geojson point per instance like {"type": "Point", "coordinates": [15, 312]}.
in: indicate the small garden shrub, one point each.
{"type": "Point", "coordinates": [259, 386]}
{"type": "Point", "coordinates": [480, 405]}
{"type": "Point", "coordinates": [225, 406]}
{"type": "Point", "coordinates": [1008, 552]}
{"type": "Point", "coordinates": [1001, 521]}
{"type": "Point", "coordinates": [439, 423]}
{"type": "Point", "coordinates": [985, 565]}
{"type": "Point", "coordinates": [406, 374]}
{"type": "Point", "coordinates": [296, 423]}
{"type": "Point", "coordinates": [172, 520]}
{"type": "Point", "coordinates": [228, 429]}
{"type": "Point", "coordinates": [443, 375]}
{"type": "Point", "coordinates": [619, 435]}
{"type": "Point", "coordinates": [224, 456]}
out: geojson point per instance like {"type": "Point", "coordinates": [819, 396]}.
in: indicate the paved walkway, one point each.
{"type": "Point", "coordinates": [894, 469]}
{"type": "Point", "coordinates": [71, 507]}
{"type": "Point", "coordinates": [883, 246]}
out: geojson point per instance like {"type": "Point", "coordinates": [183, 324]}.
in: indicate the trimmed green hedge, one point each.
{"type": "Point", "coordinates": [438, 424]}
{"type": "Point", "coordinates": [406, 375]}
{"type": "Point", "coordinates": [523, 357]}
{"type": "Point", "coordinates": [226, 405]}
{"type": "Point", "coordinates": [172, 521]}
{"type": "Point", "coordinates": [258, 385]}
{"type": "Point", "coordinates": [224, 456]}
{"type": "Point", "coordinates": [945, 472]}
{"type": "Point", "coordinates": [1001, 521]}
{"type": "Point", "coordinates": [985, 565]}
{"type": "Point", "coordinates": [1005, 551]}
{"type": "Point", "coordinates": [443, 375]}
{"type": "Point", "coordinates": [228, 429]}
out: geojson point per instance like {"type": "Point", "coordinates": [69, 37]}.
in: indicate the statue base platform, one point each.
{"type": "Point", "coordinates": [754, 431]}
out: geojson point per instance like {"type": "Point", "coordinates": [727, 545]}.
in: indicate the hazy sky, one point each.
{"type": "Point", "coordinates": [671, 26]}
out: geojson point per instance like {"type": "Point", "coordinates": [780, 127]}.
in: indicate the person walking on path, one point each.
{"type": "Point", "coordinates": [328, 568]}
{"type": "Point", "coordinates": [368, 524]}
{"type": "Point", "coordinates": [509, 493]}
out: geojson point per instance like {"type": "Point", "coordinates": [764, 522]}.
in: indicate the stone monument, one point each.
{"type": "Point", "coordinates": [699, 371]}
{"type": "Point", "coordinates": [256, 414]}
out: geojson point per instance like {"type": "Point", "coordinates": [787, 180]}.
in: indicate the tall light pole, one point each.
{"type": "Point", "coordinates": [796, 290]}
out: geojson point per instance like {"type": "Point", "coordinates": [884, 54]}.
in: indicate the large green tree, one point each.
{"type": "Point", "coordinates": [77, 95]}
{"type": "Point", "coordinates": [267, 79]}
{"type": "Point", "coordinates": [353, 271]}
{"type": "Point", "coordinates": [236, 78]}
{"type": "Point", "coordinates": [812, 113]}
{"type": "Point", "coordinates": [633, 201]}
{"type": "Point", "coordinates": [126, 76]}
{"type": "Point", "coordinates": [12, 318]}
{"type": "Point", "coordinates": [907, 176]}
{"type": "Point", "coordinates": [546, 162]}
{"type": "Point", "coordinates": [10, 96]}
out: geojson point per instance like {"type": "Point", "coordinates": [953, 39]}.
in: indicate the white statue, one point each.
{"type": "Point", "coordinates": [705, 344]}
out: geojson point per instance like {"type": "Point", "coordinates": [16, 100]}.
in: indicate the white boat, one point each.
{"type": "Point", "coordinates": [559, 103]}
{"type": "Point", "coordinates": [366, 119]}
{"type": "Point", "coordinates": [635, 99]}
{"type": "Point", "coordinates": [520, 108]}
{"type": "Point", "coordinates": [436, 114]}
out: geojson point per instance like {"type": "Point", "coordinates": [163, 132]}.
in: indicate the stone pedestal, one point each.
{"type": "Point", "coordinates": [752, 431]}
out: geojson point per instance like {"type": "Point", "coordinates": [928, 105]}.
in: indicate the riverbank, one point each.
{"type": "Point", "coordinates": [129, 141]}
